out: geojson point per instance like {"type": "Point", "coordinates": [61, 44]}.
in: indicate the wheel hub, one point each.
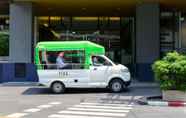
{"type": "Point", "coordinates": [116, 86]}
{"type": "Point", "coordinates": [57, 87]}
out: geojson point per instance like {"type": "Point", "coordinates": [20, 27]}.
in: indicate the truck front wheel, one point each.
{"type": "Point", "coordinates": [116, 85]}
{"type": "Point", "coordinates": [58, 87]}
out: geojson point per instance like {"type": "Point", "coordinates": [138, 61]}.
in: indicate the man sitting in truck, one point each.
{"type": "Point", "coordinates": [60, 62]}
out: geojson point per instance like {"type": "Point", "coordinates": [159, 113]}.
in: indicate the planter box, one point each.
{"type": "Point", "coordinates": [174, 95]}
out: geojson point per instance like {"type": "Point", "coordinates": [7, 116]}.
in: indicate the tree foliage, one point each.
{"type": "Point", "coordinates": [171, 71]}
{"type": "Point", "coordinates": [4, 44]}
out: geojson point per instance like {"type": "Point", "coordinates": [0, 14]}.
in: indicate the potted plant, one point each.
{"type": "Point", "coordinates": [170, 72]}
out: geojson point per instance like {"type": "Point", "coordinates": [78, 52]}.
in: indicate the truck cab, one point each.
{"type": "Point", "coordinates": [86, 66]}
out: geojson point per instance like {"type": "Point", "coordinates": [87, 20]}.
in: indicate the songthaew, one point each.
{"type": "Point", "coordinates": [78, 64]}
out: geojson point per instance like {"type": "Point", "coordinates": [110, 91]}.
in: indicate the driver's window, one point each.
{"type": "Point", "coordinates": [99, 61]}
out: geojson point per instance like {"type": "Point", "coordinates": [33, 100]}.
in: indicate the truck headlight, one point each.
{"type": "Point", "coordinates": [125, 70]}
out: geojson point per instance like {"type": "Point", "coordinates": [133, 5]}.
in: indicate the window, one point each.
{"type": "Point", "coordinates": [100, 61]}
{"type": "Point", "coordinates": [108, 31]}
{"type": "Point", "coordinates": [71, 59]}
{"type": "Point", "coordinates": [20, 70]}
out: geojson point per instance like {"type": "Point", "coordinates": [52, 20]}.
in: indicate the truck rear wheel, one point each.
{"type": "Point", "coordinates": [116, 85]}
{"type": "Point", "coordinates": [58, 87]}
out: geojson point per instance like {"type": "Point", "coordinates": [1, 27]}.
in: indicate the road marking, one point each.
{"type": "Point", "coordinates": [94, 110]}
{"type": "Point", "coordinates": [55, 103]}
{"type": "Point", "coordinates": [16, 115]}
{"type": "Point", "coordinates": [105, 104]}
{"type": "Point", "coordinates": [44, 106]}
{"type": "Point", "coordinates": [93, 113]}
{"type": "Point", "coordinates": [73, 116]}
{"type": "Point", "coordinates": [32, 110]}
{"type": "Point", "coordinates": [99, 110]}
{"type": "Point", "coordinates": [103, 107]}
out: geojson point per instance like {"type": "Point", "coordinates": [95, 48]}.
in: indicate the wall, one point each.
{"type": "Point", "coordinates": [20, 67]}
{"type": "Point", "coordinates": [21, 33]}
{"type": "Point", "coordinates": [147, 39]}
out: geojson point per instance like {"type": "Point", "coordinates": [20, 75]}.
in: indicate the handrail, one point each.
{"type": "Point", "coordinates": [67, 66]}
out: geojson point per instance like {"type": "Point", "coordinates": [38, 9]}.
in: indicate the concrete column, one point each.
{"type": "Point", "coordinates": [147, 39]}
{"type": "Point", "coordinates": [21, 33]}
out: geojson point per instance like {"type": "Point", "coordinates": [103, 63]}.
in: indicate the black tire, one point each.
{"type": "Point", "coordinates": [58, 87]}
{"type": "Point", "coordinates": [116, 86]}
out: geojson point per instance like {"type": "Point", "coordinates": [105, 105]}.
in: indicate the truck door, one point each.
{"type": "Point", "coordinates": [99, 71]}
{"type": "Point", "coordinates": [77, 77]}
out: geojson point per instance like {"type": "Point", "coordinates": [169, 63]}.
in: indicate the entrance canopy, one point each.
{"type": "Point", "coordinates": [4, 6]}
{"type": "Point", "coordinates": [92, 7]}
{"type": "Point", "coordinates": [83, 7]}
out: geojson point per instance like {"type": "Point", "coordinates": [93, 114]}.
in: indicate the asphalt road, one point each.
{"type": "Point", "coordinates": [39, 102]}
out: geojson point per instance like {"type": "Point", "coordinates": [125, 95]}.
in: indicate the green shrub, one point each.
{"type": "Point", "coordinates": [4, 44]}
{"type": "Point", "coordinates": [171, 71]}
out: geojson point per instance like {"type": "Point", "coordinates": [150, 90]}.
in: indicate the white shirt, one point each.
{"type": "Point", "coordinates": [60, 62]}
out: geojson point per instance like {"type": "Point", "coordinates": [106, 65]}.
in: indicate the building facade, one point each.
{"type": "Point", "coordinates": [134, 32]}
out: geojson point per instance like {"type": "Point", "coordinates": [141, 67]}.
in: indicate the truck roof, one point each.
{"type": "Point", "coordinates": [71, 45]}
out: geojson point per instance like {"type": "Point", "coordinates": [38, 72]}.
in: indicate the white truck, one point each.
{"type": "Point", "coordinates": [86, 67]}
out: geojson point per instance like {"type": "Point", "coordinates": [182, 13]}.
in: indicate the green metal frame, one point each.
{"type": "Point", "coordinates": [90, 48]}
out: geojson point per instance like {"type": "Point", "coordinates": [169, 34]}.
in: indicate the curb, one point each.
{"type": "Point", "coordinates": [150, 102]}
{"type": "Point", "coordinates": [20, 84]}
{"type": "Point", "coordinates": [167, 103]}
{"type": "Point", "coordinates": [143, 84]}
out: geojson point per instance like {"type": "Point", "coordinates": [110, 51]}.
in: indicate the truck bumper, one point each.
{"type": "Point", "coordinates": [127, 83]}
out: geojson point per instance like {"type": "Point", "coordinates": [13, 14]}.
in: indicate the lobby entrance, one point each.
{"type": "Point", "coordinates": [116, 34]}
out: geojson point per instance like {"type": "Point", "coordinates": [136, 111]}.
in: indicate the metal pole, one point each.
{"type": "Point", "coordinates": [180, 32]}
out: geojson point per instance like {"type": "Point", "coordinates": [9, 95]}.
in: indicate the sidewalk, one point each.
{"type": "Point", "coordinates": [136, 83]}
{"type": "Point", "coordinates": [20, 84]}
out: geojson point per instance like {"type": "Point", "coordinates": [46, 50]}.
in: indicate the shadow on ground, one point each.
{"type": "Point", "coordinates": [42, 91]}
{"type": "Point", "coordinates": [130, 96]}
{"type": "Point", "coordinates": [131, 91]}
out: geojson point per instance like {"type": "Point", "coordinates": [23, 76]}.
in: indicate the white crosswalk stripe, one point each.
{"type": "Point", "coordinates": [104, 107]}
{"type": "Point", "coordinates": [105, 104]}
{"type": "Point", "coordinates": [93, 113]}
{"type": "Point", "coordinates": [55, 103]}
{"type": "Point", "coordinates": [71, 116]}
{"type": "Point", "coordinates": [44, 106]}
{"type": "Point", "coordinates": [16, 115]}
{"type": "Point", "coordinates": [33, 110]}
{"type": "Point", "coordinates": [98, 110]}
{"type": "Point", "coordinates": [94, 110]}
